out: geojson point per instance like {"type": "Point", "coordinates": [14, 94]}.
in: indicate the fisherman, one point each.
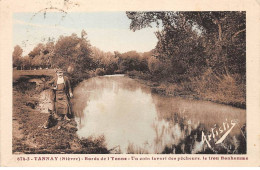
{"type": "Point", "coordinates": [63, 93]}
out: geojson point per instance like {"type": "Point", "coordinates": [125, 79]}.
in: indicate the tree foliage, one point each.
{"type": "Point", "coordinates": [75, 53]}
{"type": "Point", "coordinates": [105, 60]}
{"type": "Point", "coordinates": [17, 54]}
{"type": "Point", "coordinates": [192, 42]}
{"type": "Point", "coordinates": [130, 61]}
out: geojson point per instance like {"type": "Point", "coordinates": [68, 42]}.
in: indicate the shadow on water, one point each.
{"type": "Point", "coordinates": [131, 119]}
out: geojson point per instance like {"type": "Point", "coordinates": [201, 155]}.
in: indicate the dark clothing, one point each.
{"type": "Point", "coordinates": [66, 84]}
{"type": "Point", "coordinates": [62, 96]}
{"type": "Point", "coordinates": [62, 101]}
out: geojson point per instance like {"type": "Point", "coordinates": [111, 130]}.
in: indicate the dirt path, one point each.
{"type": "Point", "coordinates": [30, 112]}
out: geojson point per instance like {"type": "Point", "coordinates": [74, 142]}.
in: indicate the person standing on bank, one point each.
{"type": "Point", "coordinates": [63, 93]}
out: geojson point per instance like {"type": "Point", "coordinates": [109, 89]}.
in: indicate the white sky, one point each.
{"type": "Point", "coordinates": [108, 31]}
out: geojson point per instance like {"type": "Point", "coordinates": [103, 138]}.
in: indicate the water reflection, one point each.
{"type": "Point", "coordinates": [133, 120]}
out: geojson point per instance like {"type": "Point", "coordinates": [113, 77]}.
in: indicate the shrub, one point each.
{"type": "Point", "coordinates": [99, 72]}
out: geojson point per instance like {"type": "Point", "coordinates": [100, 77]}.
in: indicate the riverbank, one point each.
{"type": "Point", "coordinates": [29, 136]}
{"type": "Point", "coordinates": [225, 91]}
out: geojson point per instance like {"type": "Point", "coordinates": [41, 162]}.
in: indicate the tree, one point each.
{"type": "Point", "coordinates": [105, 60]}
{"type": "Point", "coordinates": [17, 54]}
{"type": "Point", "coordinates": [195, 41]}
{"type": "Point", "coordinates": [155, 66]}
{"type": "Point", "coordinates": [37, 61]}
{"type": "Point", "coordinates": [83, 34]}
{"type": "Point", "coordinates": [26, 63]}
{"type": "Point", "coordinates": [37, 50]}
{"type": "Point", "coordinates": [74, 52]}
{"type": "Point", "coordinates": [225, 35]}
{"type": "Point", "coordinates": [178, 43]}
{"type": "Point", "coordinates": [130, 61]}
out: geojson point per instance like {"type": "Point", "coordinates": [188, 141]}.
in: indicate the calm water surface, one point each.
{"type": "Point", "coordinates": [134, 120]}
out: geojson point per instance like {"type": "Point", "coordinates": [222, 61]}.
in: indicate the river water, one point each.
{"type": "Point", "coordinates": [131, 119]}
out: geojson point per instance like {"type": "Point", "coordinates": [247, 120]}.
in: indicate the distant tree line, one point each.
{"type": "Point", "coordinates": [81, 60]}
{"type": "Point", "coordinates": [207, 47]}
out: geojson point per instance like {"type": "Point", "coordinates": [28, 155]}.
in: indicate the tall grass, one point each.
{"type": "Point", "coordinates": [223, 88]}
{"type": "Point", "coordinates": [226, 88]}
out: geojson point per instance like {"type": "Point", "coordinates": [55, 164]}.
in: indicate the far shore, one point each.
{"type": "Point", "coordinates": [156, 87]}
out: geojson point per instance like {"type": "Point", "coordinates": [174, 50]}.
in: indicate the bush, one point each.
{"type": "Point", "coordinates": [154, 65]}
{"type": "Point", "coordinates": [99, 72]}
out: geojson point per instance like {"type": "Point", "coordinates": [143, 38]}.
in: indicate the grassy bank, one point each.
{"type": "Point", "coordinates": [28, 134]}
{"type": "Point", "coordinates": [224, 89]}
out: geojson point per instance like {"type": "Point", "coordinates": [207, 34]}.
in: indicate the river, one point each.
{"type": "Point", "coordinates": [131, 119]}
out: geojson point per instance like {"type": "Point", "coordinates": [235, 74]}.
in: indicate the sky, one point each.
{"type": "Point", "coordinates": [109, 31]}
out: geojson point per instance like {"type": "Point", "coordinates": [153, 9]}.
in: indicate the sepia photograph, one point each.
{"type": "Point", "coordinates": [129, 82]}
